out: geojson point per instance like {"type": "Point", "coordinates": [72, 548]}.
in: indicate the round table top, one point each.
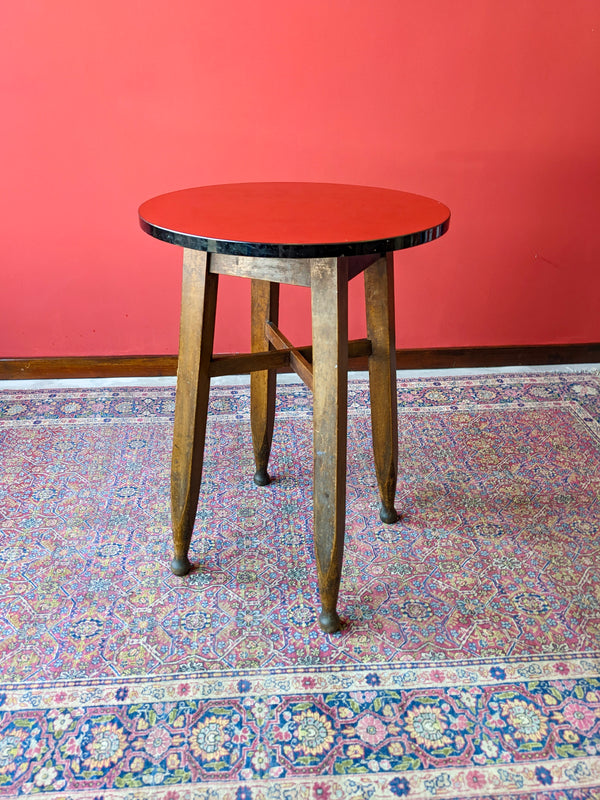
{"type": "Point", "coordinates": [294, 220]}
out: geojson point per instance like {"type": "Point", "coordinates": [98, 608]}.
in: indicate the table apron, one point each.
{"type": "Point", "coordinates": [293, 271]}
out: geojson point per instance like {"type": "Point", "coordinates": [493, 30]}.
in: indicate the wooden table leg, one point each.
{"type": "Point", "coordinates": [196, 334]}
{"type": "Point", "coordinates": [379, 300]}
{"type": "Point", "coordinates": [263, 384]}
{"type": "Point", "coordinates": [329, 284]}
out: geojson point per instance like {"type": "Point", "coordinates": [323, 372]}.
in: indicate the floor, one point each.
{"type": "Point", "coordinates": [468, 663]}
{"type": "Point", "coordinates": [81, 383]}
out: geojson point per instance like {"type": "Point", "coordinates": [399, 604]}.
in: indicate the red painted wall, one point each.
{"type": "Point", "coordinates": [493, 108]}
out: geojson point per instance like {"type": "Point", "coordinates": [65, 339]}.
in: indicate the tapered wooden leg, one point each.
{"type": "Point", "coordinates": [198, 307]}
{"type": "Point", "coordinates": [379, 299]}
{"type": "Point", "coordinates": [263, 384]}
{"type": "Point", "coordinates": [329, 283]}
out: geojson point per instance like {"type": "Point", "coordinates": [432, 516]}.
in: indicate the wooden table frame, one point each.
{"type": "Point", "coordinates": [323, 367]}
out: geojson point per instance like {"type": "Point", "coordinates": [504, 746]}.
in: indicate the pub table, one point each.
{"type": "Point", "coordinates": [319, 235]}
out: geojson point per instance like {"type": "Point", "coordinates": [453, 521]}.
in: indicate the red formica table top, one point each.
{"type": "Point", "coordinates": [294, 220]}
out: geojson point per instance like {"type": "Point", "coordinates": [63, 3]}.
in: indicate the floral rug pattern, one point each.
{"type": "Point", "coordinates": [469, 661]}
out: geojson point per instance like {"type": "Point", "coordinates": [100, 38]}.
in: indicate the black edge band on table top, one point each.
{"type": "Point", "coordinates": [265, 250]}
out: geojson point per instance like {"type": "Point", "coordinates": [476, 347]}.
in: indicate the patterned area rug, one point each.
{"type": "Point", "coordinates": [469, 663]}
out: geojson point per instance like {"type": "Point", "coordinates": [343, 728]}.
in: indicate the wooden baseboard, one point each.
{"type": "Point", "coordinates": [87, 367]}
{"type": "Point", "coordinates": [510, 356]}
{"type": "Point", "coordinates": [440, 358]}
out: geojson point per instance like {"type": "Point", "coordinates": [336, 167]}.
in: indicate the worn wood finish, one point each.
{"type": "Point", "coordinates": [358, 349]}
{"type": "Point", "coordinates": [263, 384]}
{"type": "Point", "coordinates": [379, 302]}
{"type": "Point", "coordinates": [297, 362]}
{"type": "Point", "coordinates": [295, 271]}
{"type": "Point", "coordinates": [329, 281]}
{"type": "Point", "coordinates": [198, 308]}
{"type": "Point", "coordinates": [247, 363]}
